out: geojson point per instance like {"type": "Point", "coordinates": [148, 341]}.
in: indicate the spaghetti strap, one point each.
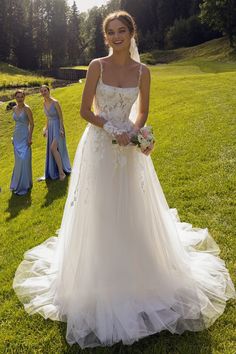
{"type": "Point", "coordinates": [101, 69]}
{"type": "Point", "coordinates": [140, 73]}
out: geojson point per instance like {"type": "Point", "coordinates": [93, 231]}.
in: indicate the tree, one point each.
{"type": "Point", "coordinates": [4, 38]}
{"type": "Point", "coordinates": [40, 32]}
{"type": "Point", "coordinates": [17, 32]}
{"type": "Point", "coordinates": [74, 43]}
{"type": "Point", "coordinates": [188, 32]}
{"type": "Point", "coordinates": [58, 33]}
{"type": "Point", "coordinates": [30, 59]}
{"type": "Point", "coordinates": [220, 15]}
{"type": "Point", "coordinates": [95, 46]}
{"type": "Point", "coordinates": [99, 45]}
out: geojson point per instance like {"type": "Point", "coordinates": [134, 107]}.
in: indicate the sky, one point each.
{"type": "Point", "coordinates": [84, 5]}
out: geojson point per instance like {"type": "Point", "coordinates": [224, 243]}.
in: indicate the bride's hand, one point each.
{"type": "Point", "coordinates": [134, 130]}
{"type": "Point", "coordinates": [123, 139]}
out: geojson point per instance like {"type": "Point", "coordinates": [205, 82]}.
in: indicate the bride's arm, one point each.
{"type": "Point", "coordinates": [144, 94]}
{"type": "Point", "coordinates": [87, 101]}
{"type": "Point", "coordinates": [92, 77]}
{"type": "Point", "coordinates": [144, 97]}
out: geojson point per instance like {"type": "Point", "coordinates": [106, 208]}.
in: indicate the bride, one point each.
{"type": "Point", "coordinates": [123, 265]}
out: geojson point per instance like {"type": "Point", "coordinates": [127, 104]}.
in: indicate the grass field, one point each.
{"type": "Point", "coordinates": [81, 67]}
{"type": "Point", "coordinates": [193, 112]}
{"type": "Point", "coordinates": [11, 77]}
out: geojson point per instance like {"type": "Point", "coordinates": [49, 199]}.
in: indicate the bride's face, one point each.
{"type": "Point", "coordinates": [118, 35]}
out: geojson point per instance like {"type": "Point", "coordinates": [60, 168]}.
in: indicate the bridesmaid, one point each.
{"type": "Point", "coordinates": [21, 181]}
{"type": "Point", "coordinates": [57, 159]}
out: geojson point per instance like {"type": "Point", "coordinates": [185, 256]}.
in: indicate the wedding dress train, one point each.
{"type": "Point", "coordinates": [123, 265]}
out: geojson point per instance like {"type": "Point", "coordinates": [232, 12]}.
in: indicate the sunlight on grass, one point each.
{"type": "Point", "coordinates": [10, 76]}
{"type": "Point", "coordinates": [193, 114]}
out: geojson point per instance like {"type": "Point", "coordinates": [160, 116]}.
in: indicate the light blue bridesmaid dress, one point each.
{"type": "Point", "coordinates": [21, 180]}
{"type": "Point", "coordinates": [51, 169]}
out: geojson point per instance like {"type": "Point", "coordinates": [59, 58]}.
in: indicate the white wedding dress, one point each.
{"type": "Point", "coordinates": [123, 266]}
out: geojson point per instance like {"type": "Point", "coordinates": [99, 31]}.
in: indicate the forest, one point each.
{"type": "Point", "coordinates": [45, 34]}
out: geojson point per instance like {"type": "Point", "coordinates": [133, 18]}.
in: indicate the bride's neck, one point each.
{"type": "Point", "coordinates": [121, 58]}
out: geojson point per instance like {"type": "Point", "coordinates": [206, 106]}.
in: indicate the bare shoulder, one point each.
{"type": "Point", "coordinates": [93, 69]}
{"type": "Point", "coordinates": [28, 109]}
{"type": "Point", "coordinates": [55, 101]}
{"type": "Point", "coordinates": [94, 65]}
{"type": "Point", "coordinates": [145, 70]}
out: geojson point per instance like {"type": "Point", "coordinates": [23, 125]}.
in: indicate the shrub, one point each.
{"type": "Point", "coordinates": [188, 32]}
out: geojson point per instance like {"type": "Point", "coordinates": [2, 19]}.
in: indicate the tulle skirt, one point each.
{"type": "Point", "coordinates": [123, 265]}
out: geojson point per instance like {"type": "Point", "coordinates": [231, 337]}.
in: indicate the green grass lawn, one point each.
{"type": "Point", "coordinates": [11, 76]}
{"type": "Point", "coordinates": [193, 112]}
{"type": "Point", "coordinates": [79, 67]}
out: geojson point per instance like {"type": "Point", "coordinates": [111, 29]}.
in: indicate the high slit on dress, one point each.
{"type": "Point", "coordinates": [51, 169]}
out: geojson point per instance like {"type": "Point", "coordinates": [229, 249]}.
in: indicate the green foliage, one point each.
{"type": "Point", "coordinates": [74, 42]}
{"type": "Point", "coordinates": [220, 15]}
{"type": "Point", "coordinates": [58, 33]}
{"type": "Point", "coordinates": [187, 32]}
{"type": "Point", "coordinates": [193, 115]}
{"type": "Point", "coordinates": [4, 46]}
{"type": "Point", "coordinates": [50, 33]}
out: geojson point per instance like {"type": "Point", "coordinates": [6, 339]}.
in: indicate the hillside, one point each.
{"type": "Point", "coordinates": [216, 50]}
{"type": "Point", "coordinates": [12, 77]}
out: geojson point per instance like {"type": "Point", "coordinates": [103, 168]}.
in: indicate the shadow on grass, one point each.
{"type": "Point", "coordinates": [56, 189]}
{"type": "Point", "coordinates": [16, 203]}
{"type": "Point", "coordinates": [160, 343]}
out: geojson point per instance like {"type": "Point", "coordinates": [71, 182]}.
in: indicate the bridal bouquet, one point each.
{"type": "Point", "coordinates": [144, 138]}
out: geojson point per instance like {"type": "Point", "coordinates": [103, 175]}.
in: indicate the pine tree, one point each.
{"type": "Point", "coordinates": [74, 43]}
{"type": "Point", "coordinates": [99, 45]}
{"type": "Point", "coordinates": [39, 31]}
{"type": "Point", "coordinates": [4, 37]}
{"type": "Point", "coordinates": [58, 33]}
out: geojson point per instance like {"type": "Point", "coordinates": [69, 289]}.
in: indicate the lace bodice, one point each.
{"type": "Point", "coordinates": [115, 103]}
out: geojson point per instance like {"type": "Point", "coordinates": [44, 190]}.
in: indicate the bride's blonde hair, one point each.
{"type": "Point", "coordinates": [123, 17]}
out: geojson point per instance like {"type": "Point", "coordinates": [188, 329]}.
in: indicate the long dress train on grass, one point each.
{"type": "Point", "coordinates": [123, 265]}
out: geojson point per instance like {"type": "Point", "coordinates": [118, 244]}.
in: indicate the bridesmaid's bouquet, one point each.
{"type": "Point", "coordinates": [144, 138]}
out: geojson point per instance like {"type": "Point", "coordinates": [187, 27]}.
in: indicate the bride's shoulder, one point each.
{"type": "Point", "coordinates": [96, 63]}
{"type": "Point", "coordinates": [144, 68]}
{"type": "Point", "coordinates": [145, 75]}
{"type": "Point", "coordinates": [94, 68]}
{"type": "Point", "coordinates": [145, 71]}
